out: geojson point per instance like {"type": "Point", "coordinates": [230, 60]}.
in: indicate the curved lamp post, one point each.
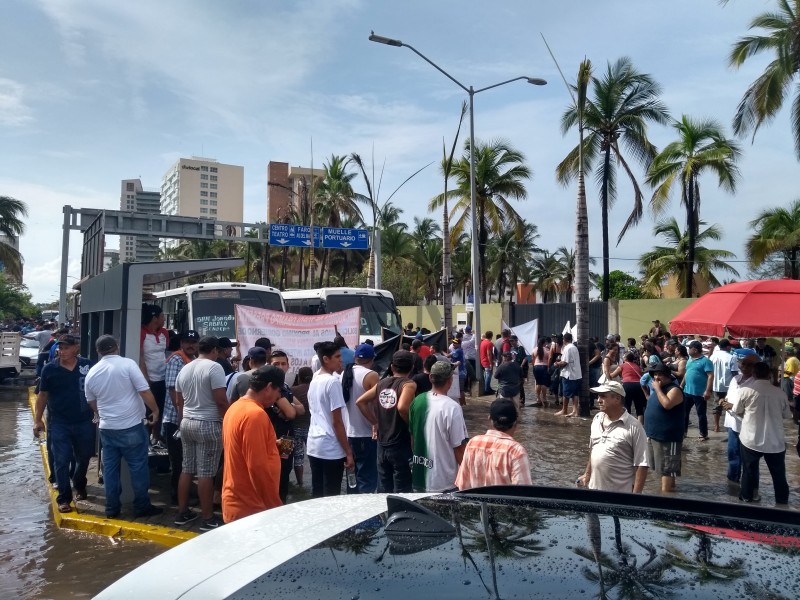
{"type": "Point", "coordinates": [471, 92]}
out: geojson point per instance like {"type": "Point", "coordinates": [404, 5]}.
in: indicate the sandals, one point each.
{"type": "Point", "coordinates": [64, 507]}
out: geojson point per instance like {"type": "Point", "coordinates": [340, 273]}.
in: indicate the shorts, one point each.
{"type": "Point", "coordinates": [300, 437]}
{"type": "Point", "coordinates": [664, 457]}
{"type": "Point", "coordinates": [718, 408]}
{"type": "Point", "coordinates": [570, 387]}
{"type": "Point", "coordinates": [202, 447]}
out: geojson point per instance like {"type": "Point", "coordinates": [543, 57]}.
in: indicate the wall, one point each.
{"type": "Point", "coordinates": [430, 315]}
{"type": "Point", "coordinates": [634, 316]}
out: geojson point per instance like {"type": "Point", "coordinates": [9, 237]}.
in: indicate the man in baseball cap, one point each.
{"type": "Point", "coordinates": [664, 426]}
{"type": "Point", "coordinates": [618, 445]}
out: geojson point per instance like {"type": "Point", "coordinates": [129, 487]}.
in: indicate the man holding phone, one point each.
{"type": "Point", "coordinates": [118, 393]}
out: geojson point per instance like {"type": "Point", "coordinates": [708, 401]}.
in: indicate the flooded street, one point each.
{"type": "Point", "coordinates": [38, 560]}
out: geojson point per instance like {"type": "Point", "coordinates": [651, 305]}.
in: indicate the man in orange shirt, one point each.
{"type": "Point", "coordinates": [252, 462]}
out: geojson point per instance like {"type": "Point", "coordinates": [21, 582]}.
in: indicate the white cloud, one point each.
{"type": "Point", "coordinates": [13, 110]}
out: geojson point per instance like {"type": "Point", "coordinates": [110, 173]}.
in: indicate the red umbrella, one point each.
{"type": "Point", "coordinates": [749, 309]}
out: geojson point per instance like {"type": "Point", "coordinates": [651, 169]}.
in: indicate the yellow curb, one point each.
{"type": "Point", "coordinates": [116, 528]}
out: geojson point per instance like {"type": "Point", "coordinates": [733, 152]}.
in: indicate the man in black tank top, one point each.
{"type": "Point", "coordinates": [386, 405]}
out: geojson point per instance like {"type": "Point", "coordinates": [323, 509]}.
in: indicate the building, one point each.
{"type": "Point", "coordinates": [135, 198]}
{"type": "Point", "coordinates": [287, 188]}
{"type": "Point", "coordinates": [203, 187]}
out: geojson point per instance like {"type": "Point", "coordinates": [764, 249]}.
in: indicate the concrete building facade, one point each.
{"type": "Point", "coordinates": [287, 188]}
{"type": "Point", "coordinates": [203, 187]}
{"type": "Point", "coordinates": [135, 198]}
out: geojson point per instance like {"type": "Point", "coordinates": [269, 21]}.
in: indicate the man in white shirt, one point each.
{"type": "Point", "coordinates": [327, 448]}
{"type": "Point", "coordinates": [733, 423]}
{"type": "Point", "coordinates": [361, 435]}
{"type": "Point", "coordinates": [117, 392]}
{"type": "Point", "coordinates": [470, 348]}
{"type": "Point", "coordinates": [725, 367]}
{"type": "Point", "coordinates": [763, 407]}
{"type": "Point", "coordinates": [570, 365]}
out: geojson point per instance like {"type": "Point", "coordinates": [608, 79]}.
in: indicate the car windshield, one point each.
{"type": "Point", "coordinates": [26, 343]}
{"type": "Point", "coordinates": [212, 310]}
{"type": "Point", "coordinates": [500, 549]}
{"type": "Point", "coordinates": [377, 312]}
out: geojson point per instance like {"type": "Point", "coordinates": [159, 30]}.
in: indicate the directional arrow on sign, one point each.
{"type": "Point", "coordinates": [307, 242]}
{"type": "Point", "coordinates": [346, 244]}
{"type": "Point", "coordinates": [282, 241]}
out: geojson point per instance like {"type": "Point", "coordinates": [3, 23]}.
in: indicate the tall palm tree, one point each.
{"type": "Point", "coordinates": [624, 102]}
{"type": "Point", "coordinates": [507, 255]}
{"type": "Point", "coordinates": [547, 273]}
{"type": "Point", "coordinates": [701, 146]}
{"type": "Point", "coordinates": [12, 212]}
{"type": "Point", "coordinates": [569, 259]}
{"type": "Point", "coordinates": [777, 230]}
{"type": "Point", "coordinates": [765, 96]}
{"type": "Point", "coordinates": [500, 174]}
{"type": "Point", "coordinates": [673, 258]}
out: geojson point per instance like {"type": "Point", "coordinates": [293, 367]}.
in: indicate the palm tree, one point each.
{"type": "Point", "coordinates": [569, 260]}
{"type": "Point", "coordinates": [500, 173]}
{"type": "Point", "coordinates": [673, 258]}
{"type": "Point", "coordinates": [11, 225]}
{"type": "Point", "coordinates": [701, 146]}
{"type": "Point", "coordinates": [547, 273]}
{"type": "Point", "coordinates": [776, 230]}
{"type": "Point", "coordinates": [625, 100]}
{"type": "Point", "coordinates": [765, 96]}
{"type": "Point", "coordinates": [508, 254]}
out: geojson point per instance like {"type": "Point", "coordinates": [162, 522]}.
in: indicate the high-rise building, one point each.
{"type": "Point", "coordinates": [203, 187]}
{"type": "Point", "coordinates": [135, 198]}
{"type": "Point", "coordinates": [287, 189]}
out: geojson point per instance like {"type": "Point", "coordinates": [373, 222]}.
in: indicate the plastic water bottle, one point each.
{"type": "Point", "coordinates": [351, 478]}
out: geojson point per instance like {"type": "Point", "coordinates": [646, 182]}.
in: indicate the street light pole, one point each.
{"type": "Point", "coordinates": [476, 283]}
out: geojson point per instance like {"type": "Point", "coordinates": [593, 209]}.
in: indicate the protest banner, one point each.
{"type": "Point", "coordinates": [294, 334]}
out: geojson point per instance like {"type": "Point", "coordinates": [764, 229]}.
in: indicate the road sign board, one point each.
{"type": "Point", "coordinates": [344, 238]}
{"type": "Point", "coordinates": [285, 234]}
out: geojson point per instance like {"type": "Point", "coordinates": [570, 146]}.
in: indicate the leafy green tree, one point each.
{"type": "Point", "coordinates": [15, 300]}
{"type": "Point", "coordinates": [624, 102]}
{"type": "Point", "coordinates": [701, 147]}
{"type": "Point", "coordinates": [12, 211]}
{"type": "Point", "coordinates": [623, 286]}
{"type": "Point", "coordinates": [780, 37]}
{"type": "Point", "coordinates": [673, 258]}
{"type": "Point", "coordinates": [500, 175]}
{"type": "Point", "coordinates": [777, 230]}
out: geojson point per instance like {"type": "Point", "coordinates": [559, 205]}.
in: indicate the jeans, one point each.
{"type": "Point", "coordinates": [776, 463]}
{"type": "Point", "coordinates": [365, 455]}
{"type": "Point", "coordinates": [487, 380]}
{"type": "Point", "coordinates": [734, 458]}
{"type": "Point", "coordinates": [326, 476]}
{"type": "Point", "coordinates": [699, 403]}
{"type": "Point", "coordinates": [394, 468]}
{"type": "Point", "coordinates": [71, 442]}
{"type": "Point", "coordinates": [132, 444]}
{"type": "Point", "coordinates": [175, 452]}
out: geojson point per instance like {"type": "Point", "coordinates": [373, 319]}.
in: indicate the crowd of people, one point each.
{"type": "Point", "coordinates": [234, 433]}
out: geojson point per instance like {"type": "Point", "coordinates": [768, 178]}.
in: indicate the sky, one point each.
{"type": "Point", "coordinates": [93, 92]}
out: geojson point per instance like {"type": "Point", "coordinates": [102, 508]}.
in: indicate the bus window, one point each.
{"type": "Point", "coordinates": [213, 312]}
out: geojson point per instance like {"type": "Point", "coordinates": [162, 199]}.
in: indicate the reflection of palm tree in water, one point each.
{"type": "Point", "coordinates": [624, 573]}
{"type": "Point", "coordinates": [702, 564]}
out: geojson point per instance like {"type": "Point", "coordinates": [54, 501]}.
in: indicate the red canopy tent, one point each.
{"type": "Point", "coordinates": [749, 309]}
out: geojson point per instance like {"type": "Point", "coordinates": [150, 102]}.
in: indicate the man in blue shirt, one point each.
{"type": "Point", "coordinates": [663, 424]}
{"type": "Point", "coordinates": [697, 387]}
{"type": "Point", "coordinates": [70, 427]}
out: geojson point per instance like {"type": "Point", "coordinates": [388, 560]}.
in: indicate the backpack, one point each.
{"type": "Point", "coordinates": [347, 382]}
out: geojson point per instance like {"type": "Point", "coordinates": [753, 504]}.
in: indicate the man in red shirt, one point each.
{"type": "Point", "coordinates": [486, 356]}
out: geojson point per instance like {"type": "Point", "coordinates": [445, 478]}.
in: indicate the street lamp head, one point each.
{"type": "Point", "coordinates": [536, 81]}
{"type": "Point", "coordinates": [384, 40]}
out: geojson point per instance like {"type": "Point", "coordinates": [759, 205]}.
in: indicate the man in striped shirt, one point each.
{"type": "Point", "coordinates": [496, 458]}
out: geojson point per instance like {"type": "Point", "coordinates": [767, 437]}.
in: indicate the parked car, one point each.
{"type": "Point", "coordinates": [28, 353]}
{"type": "Point", "coordinates": [498, 542]}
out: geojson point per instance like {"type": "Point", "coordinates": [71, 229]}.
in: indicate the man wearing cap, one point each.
{"type": "Point", "coordinates": [169, 420]}
{"type": "Point", "coordinates": [617, 443]}
{"type": "Point", "coordinates": [360, 431]}
{"type": "Point", "coordinates": [255, 358]}
{"type": "Point", "coordinates": [733, 422]}
{"type": "Point", "coordinates": [664, 423]}
{"type": "Point", "coordinates": [495, 458]}
{"type": "Point", "coordinates": [456, 357]}
{"type": "Point", "coordinates": [725, 368]}
{"type": "Point", "coordinates": [697, 387]}
{"type": "Point", "coordinates": [224, 355]}
{"type": "Point", "coordinates": [118, 393]}
{"type": "Point", "coordinates": [386, 405]}
{"type": "Point", "coordinates": [70, 430]}
{"type": "Point", "coordinates": [438, 434]}
{"type": "Point", "coordinates": [470, 348]}
{"type": "Point", "coordinates": [252, 470]}
{"type": "Point", "coordinates": [570, 365]}
{"type": "Point", "coordinates": [202, 403]}
{"type": "Point", "coordinates": [509, 377]}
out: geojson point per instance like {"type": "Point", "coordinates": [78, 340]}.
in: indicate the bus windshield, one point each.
{"type": "Point", "coordinates": [212, 310]}
{"type": "Point", "coordinates": [376, 312]}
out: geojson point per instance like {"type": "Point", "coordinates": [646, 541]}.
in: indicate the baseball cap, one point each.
{"type": "Point", "coordinates": [442, 368]}
{"type": "Point", "coordinates": [105, 344]}
{"type": "Point", "coordinates": [403, 361]}
{"type": "Point", "coordinates": [503, 412]}
{"type": "Point", "coordinates": [456, 341]}
{"type": "Point", "coordinates": [611, 336]}
{"type": "Point", "coordinates": [365, 351]}
{"type": "Point", "coordinates": [267, 374]}
{"type": "Point", "coordinates": [68, 340]}
{"type": "Point", "coordinates": [610, 386]}
{"type": "Point", "coordinates": [225, 342]}
{"type": "Point", "coordinates": [190, 336]}
{"type": "Point", "coordinates": [468, 329]}
{"type": "Point", "coordinates": [257, 352]}
{"type": "Point", "coordinates": [697, 345]}
{"type": "Point", "coordinates": [659, 368]}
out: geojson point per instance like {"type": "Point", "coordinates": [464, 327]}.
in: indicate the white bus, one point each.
{"type": "Point", "coordinates": [207, 308]}
{"type": "Point", "coordinates": [378, 310]}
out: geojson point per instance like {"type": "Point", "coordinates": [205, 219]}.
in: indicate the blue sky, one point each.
{"type": "Point", "coordinates": [95, 91]}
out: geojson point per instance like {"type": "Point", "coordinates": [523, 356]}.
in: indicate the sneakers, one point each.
{"type": "Point", "coordinates": [150, 512]}
{"type": "Point", "coordinates": [211, 524]}
{"type": "Point", "coordinates": [186, 517]}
